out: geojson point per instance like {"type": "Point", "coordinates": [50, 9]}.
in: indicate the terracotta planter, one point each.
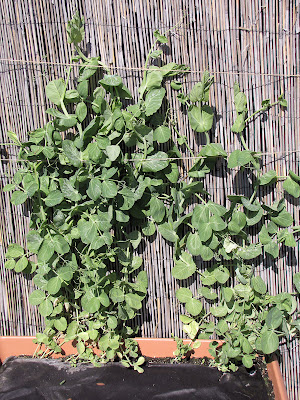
{"type": "Point", "coordinates": [16, 345]}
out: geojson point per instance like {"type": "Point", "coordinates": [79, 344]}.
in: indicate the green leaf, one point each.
{"type": "Point", "coordinates": [87, 230]}
{"type": "Point", "coordinates": [193, 306]}
{"type": "Point", "coordinates": [167, 232]}
{"type": "Point", "coordinates": [60, 244]}
{"type": "Point", "coordinates": [282, 101]}
{"type": "Point", "coordinates": [296, 280]}
{"type": "Point", "coordinates": [83, 89]}
{"type": "Point", "coordinates": [133, 301]}
{"type": "Point", "coordinates": [239, 158]}
{"type": "Point", "coordinates": [294, 176]}
{"type": "Point", "coordinates": [228, 244]}
{"type": "Point", "coordinates": [290, 240]}
{"type": "Point", "coordinates": [268, 177]}
{"type": "Point", "coordinates": [10, 264]}
{"type": "Point", "coordinates": [46, 308]}
{"type": "Point", "coordinates": [272, 248]}
{"type": "Point", "coordinates": [113, 152]}
{"type": "Point", "coordinates": [61, 324]}
{"type": "Point", "coordinates": [200, 214]}
{"type": "Point", "coordinates": [292, 187]}
{"type": "Point", "coordinates": [193, 244]}
{"type": "Point", "coordinates": [135, 238]}
{"type": "Point", "coordinates": [250, 206]}
{"type": "Point", "coordinates": [157, 209]}
{"type": "Point", "coordinates": [156, 162]}
{"type": "Point", "coordinates": [88, 69]}
{"type": "Point", "coordinates": [111, 80]}
{"type": "Point", "coordinates": [9, 187]}
{"type": "Point", "coordinates": [184, 267]}
{"type": "Point", "coordinates": [54, 198]}
{"type": "Point", "coordinates": [176, 85]}
{"type": "Point", "coordinates": [116, 295]}
{"type": "Point", "coordinates": [201, 118]}
{"type": "Point", "coordinates": [184, 294]}
{"type": "Point", "coordinates": [174, 174]}
{"type": "Point", "coordinates": [71, 152]}
{"type": "Point", "coordinates": [154, 100]}
{"type": "Point", "coordinates": [109, 189]}
{"type": "Point", "coordinates": [204, 231]}
{"type": "Point", "coordinates": [216, 209]}
{"type": "Point", "coordinates": [221, 274]}
{"type": "Point", "coordinates": [14, 251]}
{"type": "Point", "coordinates": [269, 342]}
{"type": "Point", "coordinates": [200, 91]}
{"type": "Point", "coordinates": [21, 264]}
{"type": "Point", "coordinates": [159, 37]}
{"type": "Point", "coordinates": [240, 101]}
{"type": "Point", "coordinates": [18, 197]}
{"type": "Point", "coordinates": [258, 285]}
{"type": "Point", "coordinates": [219, 311]}
{"type": "Point", "coordinates": [274, 318]}
{"type": "Point", "coordinates": [92, 305]}
{"type": "Point", "coordinates": [238, 221]}
{"type": "Point", "coordinates": [64, 124]}
{"type": "Point", "coordinates": [239, 124]}
{"type": "Point", "coordinates": [156, 53]}
{"type": "Point", "coordinates": [185, 319]}
{"type": "Point", "coordinates": [72, 96]}
{"type": "Point", "coordinates": [36, 297]}
{"type": "Point", "coordinates": [81, 111]}
{"type": "Point", "coordinates": [68, 190]}
{"type": "Point", "coordinates": [264, 236]}
{"type": "Point", "coordinates": [80, 347]}
{"type": "Point", "coordinates": [243, 290]}
{"type": "Point", "coordinates": [249, 252]}
{"type": "Point", "coordinates": [65, 273]}
{"type": "Point", "coordinates": [283, 219]}
{"type": "Point", "coordinates": [54, 285]}
{"type": "Point", "coordinates": [75, 29]}
{"type": "Point", "coordinates": [191, 329]}
{"type": "Point", "coordinates": [247, 361]}
{"type": "Point", "coordinates": [254, 218]}
{"type": "Point", "coordinates": [217, 223]}
{"type": "Point", "coordinates": [228, 294]}
{"type": "Point", "coordinates": [149, 229]}
{"type": "Point", "coordinates": [208, 293]}
{"type": "Point", "coordinates": [154, 79]}
{"type": "Point", "coordinates": [206, 252]}
{"type": "Point", "coordinates": [162, 134]}
{"type": "Point", "coordinates": [55, 91]}
{"type": "Point", "coordinates": [46, 251]}
{"type": "Point", "coordinates": [94, 189]}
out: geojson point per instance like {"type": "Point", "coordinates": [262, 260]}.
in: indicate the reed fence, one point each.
{"type": "Point", "coordinates": [255, 43]}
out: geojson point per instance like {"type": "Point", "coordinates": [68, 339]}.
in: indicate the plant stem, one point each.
{"type": "Point", "coordinates": [258, 111]}
{"type": "Point", "coordinates": [207, 138]}
{"type": "Point", "coordinates": [244, 142]}
{"type": "Point", "coordinates": [81, 53]}
{"type": "Point", "coordinates": [200, 198]}
{"type": "Point", "coordinates": [63, 107]}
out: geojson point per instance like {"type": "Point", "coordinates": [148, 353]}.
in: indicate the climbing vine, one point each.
{"type": "Point", "coordinates": [102, 175]}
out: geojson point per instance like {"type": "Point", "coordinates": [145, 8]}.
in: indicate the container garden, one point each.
{"type": "Point", "coordinates": [98, 179]}
{"type": "Point", "coordinates": [152, 348]}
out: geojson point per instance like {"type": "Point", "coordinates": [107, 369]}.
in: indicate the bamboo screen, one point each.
{"type": "Point", "coordinates": [255, 43]}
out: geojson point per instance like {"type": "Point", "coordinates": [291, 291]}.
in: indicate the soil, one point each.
{"type": "Point", "coordinates": [37, 379]}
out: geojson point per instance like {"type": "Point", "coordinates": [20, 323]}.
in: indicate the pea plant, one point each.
{"type": "Point", "coordinates": [244, 314]}
{"type": "Point", "coordinates": [102, 175]}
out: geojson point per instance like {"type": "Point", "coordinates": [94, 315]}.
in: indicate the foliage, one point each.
{"type": "Point", "coordinates": [102, 175]}
{"type": "Point", "coordinates": [245, 315]}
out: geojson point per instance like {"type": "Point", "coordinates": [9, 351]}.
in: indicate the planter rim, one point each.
{"type": "Point", "coordinates": [149, 347]}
